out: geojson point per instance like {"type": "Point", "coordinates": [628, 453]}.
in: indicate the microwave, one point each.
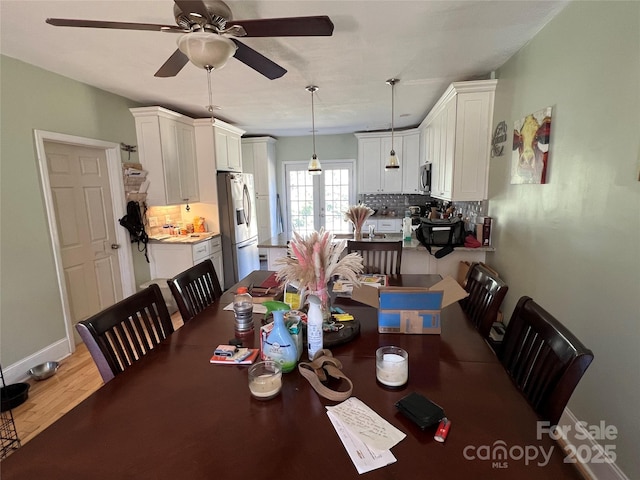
{"type": "Point", "coordinates": [424, 178]}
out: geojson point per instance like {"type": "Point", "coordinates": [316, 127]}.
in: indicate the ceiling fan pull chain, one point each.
{"type": "Point", "coordinates": [210, 107]}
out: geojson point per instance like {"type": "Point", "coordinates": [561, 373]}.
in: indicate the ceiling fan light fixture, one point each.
{"type": "Point", "coordinates": [393, 162]}
{"type": "Point", "coordinates": [207, 49]}
{"type": "Point", "coordinates": [314, 167]}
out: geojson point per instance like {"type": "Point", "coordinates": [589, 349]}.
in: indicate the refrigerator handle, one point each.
{"type": "Point", "coordinates": [247, 205]}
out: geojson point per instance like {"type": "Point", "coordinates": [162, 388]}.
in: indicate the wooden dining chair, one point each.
{"type": "Point", "coordinates": [486, 293]}
{"type": "Point", "coordinates": [544, 359]}
{"type": "Point", "coordinates": [195, 289]}
{"type": "Point", "coordinates": [378, 257]}
{"type": "Point", "coordinates": [121, 334]}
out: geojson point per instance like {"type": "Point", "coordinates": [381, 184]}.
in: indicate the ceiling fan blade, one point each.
{"type": "Point", "coordinates": [286, 27]}
{"type": "Point", "coordinates": [193, 6]}
{"type": "Point", "coordinates": [173, 65]}
{"type": "Point", "coordinates": [66, 22]}
{"type": "Point", "coordinates": [258, 62]}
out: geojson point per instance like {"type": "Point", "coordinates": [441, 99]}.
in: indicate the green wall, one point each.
{"type": "Point", "coordinates": [328, 147]}
{"type": "Point", "coordinates": [572, 244]}
{"type": "Point", "coordinates": [31, 98]}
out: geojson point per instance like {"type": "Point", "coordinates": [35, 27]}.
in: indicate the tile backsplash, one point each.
{"type": "Point", "coordinates": [399, 203]}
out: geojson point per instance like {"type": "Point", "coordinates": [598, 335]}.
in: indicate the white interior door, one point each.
{"type": "Point", "coordinates": [81, 194]}
{"type": "Point", "coordinates": [316, 201]}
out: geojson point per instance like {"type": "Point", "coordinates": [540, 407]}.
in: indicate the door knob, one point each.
{"type": "Point", "coordinates": [115, 246]}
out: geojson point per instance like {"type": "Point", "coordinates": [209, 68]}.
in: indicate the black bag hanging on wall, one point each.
{"type": "Point", "coordinates": [441, 233]}
{"type": "Point", "coordinates": [133, 222]}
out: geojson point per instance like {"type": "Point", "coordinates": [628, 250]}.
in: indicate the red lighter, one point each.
{"type": "Point", "coordinates": [443, 430]}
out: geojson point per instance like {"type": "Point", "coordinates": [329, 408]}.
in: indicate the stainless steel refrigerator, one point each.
{"type": "Point", "coordinates": [238, 226]}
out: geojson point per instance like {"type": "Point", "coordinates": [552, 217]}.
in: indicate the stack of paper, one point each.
{"type": "Point", "coordinates": [344, 288]}
{"type": "Point", "coordinates": [366, 436]}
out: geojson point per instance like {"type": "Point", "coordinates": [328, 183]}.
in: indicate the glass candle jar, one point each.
{"type": "Point", "coordinates": [265, 380]}
{"type": "Point", "coordinates": [392, 366]}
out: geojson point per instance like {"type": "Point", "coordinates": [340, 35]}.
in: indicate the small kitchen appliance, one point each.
{"type": "Point", "coordinates": [424, 177]}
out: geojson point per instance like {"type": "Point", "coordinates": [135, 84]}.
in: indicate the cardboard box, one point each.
{"type": "Point", "coordinates": [409, 309]}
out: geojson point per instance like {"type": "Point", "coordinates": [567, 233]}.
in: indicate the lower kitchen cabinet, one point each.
{"type": "Point", "coordinates": [169, 259]}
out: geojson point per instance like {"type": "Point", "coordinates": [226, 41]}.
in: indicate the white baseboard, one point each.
{"type": "Point", "coordinates": [578, 442]}
{"type": "Point", "coordinates": [17, 372]}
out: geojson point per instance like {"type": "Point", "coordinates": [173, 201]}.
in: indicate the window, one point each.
{"type": "Point", "coordinates": [319, 201]}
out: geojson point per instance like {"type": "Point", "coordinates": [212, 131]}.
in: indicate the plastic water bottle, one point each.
{"type": "Point", "coordinates": [243, 309]}
{"type": "Point", "coordinates": [314, 326]}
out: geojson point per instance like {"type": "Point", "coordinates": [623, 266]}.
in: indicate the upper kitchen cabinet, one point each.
{"type": "Point", "coordinates": [219, 142]}
{"type": "Point", "coordinates": [166, 143]}
{"type": "Point", "coordinates": [410, 162]}
{"type": "Point", "coordinates": [228, 147]}
{"type": "Point", "coordinates": [259, 158]}
{"type": "Point", "coordinates": [457, 135]}
{"type": "Point", "coordinates": [373, 151]}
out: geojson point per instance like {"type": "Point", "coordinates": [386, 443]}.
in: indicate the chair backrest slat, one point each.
{"type": "Point", "coordinates": [195, 289]}
{"type": "Point", "coordinates": [486, 293]}
{"type": "Point", "coordinates": [544, 359]}
{"type": "Point", "coordinates": [121, 334]}
{"type": "Point", "coordinates": [378, 256]}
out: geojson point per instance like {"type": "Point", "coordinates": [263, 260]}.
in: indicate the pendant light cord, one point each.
{"type": "Point", "coordinates": [393, 85]}
{"type": "Point", "coordinates": [313, 125]}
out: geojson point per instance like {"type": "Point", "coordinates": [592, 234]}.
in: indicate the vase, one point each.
{"type": "Point", "coordinates": [357, 234]}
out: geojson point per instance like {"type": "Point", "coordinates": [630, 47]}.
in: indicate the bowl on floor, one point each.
{"type": "Point", "coordinates": [44, 370]}
{"type": "Point", "coordinates": [13, 395]}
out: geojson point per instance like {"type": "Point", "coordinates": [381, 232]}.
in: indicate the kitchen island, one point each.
{"type": "Point", "coordinates": [415, 257]}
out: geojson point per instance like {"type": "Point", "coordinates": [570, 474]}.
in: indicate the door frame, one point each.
{"type": "Point", "coordinates": [285, 191]}
{"type": "Point", "coordinates": [114, 170]}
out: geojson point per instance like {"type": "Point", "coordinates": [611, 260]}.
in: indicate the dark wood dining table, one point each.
{"type": "Point", "coordinates": [174, 415]}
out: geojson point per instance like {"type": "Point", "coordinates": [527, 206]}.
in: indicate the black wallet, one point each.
{"type": "Point", "coordinates": [420, 410]}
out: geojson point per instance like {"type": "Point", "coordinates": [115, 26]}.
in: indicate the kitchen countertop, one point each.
{"type": "Point", "coordinates": [282, 241]}
{"type": "Point", "coordinates": [190, 239]}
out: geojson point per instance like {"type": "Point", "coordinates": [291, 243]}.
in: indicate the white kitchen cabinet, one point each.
{"type": "Point", "coordinates": [217, 259]}
{"type": "Point", "coordinates": [166, 145]}
{"type": "Point", "coordinates": [259, 158]}
{"type": "Point", "coordinates": [389, 225]}
{"type": "Point", "coordinates": [273, 254]}
{"type": "Point", "coordinates": [228, 147]}
{"type": "Point", "coordinates": [410, 163]}
{"type": "Point", "coordinates": [373, 152]}
{"type": "Point", "coordinates": [219, 143]}
{"type": "Point", "coordinates": [169, 259]}
{"type": "Point", "coordinates": [457, 141]}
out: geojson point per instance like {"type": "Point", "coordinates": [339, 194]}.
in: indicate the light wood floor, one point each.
{"type": "Point", "coordinates": [50, 399]}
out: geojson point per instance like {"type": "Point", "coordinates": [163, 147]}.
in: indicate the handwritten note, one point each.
{"type": "Point", "coordinates": [366, 424]}
{"type": "Point", "coordinates": [364, 458]}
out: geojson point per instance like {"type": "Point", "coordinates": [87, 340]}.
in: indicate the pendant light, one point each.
{"type": "Point", "coordinates": [392, 162]}
{"type": "Point", "coordinates": [314, 167]}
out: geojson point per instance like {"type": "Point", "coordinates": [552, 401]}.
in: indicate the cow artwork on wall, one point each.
{"type": "Point", "coordinates": [529, 160]}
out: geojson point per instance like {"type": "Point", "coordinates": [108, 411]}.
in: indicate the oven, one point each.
{"type": "Point", "coordinates": [425, 177]}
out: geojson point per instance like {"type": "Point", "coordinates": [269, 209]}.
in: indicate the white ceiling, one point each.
{"type": "Point", "coordinates": [426, 44]}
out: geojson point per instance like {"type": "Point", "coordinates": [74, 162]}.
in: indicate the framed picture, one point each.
{"type": "Point", "coordinates": [530, 156]}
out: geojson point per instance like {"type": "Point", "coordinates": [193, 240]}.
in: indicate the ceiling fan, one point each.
{"type": "Point", "coordinates": [208, 35]}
